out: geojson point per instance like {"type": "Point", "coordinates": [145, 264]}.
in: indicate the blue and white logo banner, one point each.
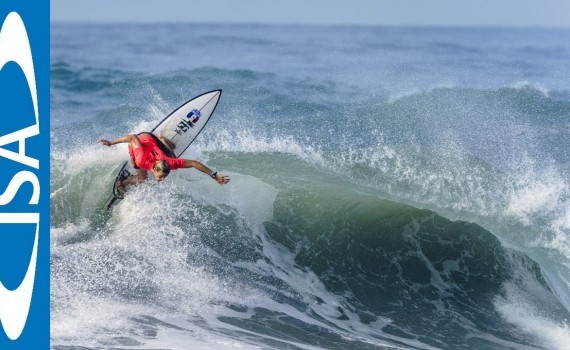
{"type": "Point", "coordinates": [24, 175]}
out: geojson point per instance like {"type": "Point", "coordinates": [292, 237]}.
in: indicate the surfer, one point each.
{"type": "Point", "coordinates": [150, 153]}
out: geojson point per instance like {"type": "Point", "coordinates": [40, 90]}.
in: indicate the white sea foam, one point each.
{"type": "Point", "coordinates": [525, 84]}
{"type": "Point", "coordinates": [542, 195]}
{"type": "Point", "coordinates": [517, 308]}
{"type": "Point", "coordinates": [246, 141]}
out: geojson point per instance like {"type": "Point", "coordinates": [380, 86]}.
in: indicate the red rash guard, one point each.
{"type": "Point", "coordinates": [148, 153]}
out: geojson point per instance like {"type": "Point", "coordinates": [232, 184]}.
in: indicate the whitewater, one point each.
{"type": "Point", "coordinates": [392, 188]}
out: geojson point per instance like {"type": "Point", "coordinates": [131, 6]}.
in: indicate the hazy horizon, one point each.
{"type": "Point", "coordinates": [405, 13]}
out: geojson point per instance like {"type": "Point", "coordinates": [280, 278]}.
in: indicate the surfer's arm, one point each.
{"type": "Point", "coordinates": [221, 179]}
{"type": "Point", "coordinates": [132, 139]}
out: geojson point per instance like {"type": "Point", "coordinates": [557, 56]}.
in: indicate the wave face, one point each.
{"type": "Point", "coordinates": [392, 188]}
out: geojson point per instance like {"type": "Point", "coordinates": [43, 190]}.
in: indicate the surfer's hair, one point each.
{"type": "Point", "coordinates": [161, 165]}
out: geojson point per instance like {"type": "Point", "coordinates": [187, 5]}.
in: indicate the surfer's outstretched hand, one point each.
{"type": "Point", "coordinates": [104, 142]}
{"type": "Point", "coordinates": [222, 179]}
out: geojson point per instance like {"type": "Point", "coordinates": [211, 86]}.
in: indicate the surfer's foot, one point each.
{"type": "Point", "coordinates": [120, 187]}
{"type": "Point", "coordinates": [167, 142]}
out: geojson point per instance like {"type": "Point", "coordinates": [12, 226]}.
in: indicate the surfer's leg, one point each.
{"type": "Point", "coordinates": [141, 176]}
{"type": "Point", "coordinates": [167, 142]}
{"type": "Point", "coordinates": [121, 184]}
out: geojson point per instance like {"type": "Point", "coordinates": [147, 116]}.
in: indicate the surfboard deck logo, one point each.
{"type": "Point", "coordinates": [190, 122]}
{"type": "Point", "coordinates": [182, 126]}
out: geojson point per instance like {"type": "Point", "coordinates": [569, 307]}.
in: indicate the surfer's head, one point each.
{"type": "Point", "coordinates": [160, 170]}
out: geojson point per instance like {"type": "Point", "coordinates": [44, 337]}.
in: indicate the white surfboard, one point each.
{"type": "Point", "coordinates": [182, 126]}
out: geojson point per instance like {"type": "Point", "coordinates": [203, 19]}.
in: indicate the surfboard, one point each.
{"type": "Point", "coordinates": [182, 126]}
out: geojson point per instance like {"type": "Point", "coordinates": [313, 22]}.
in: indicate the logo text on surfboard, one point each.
{"type": "Point", "coordinates": [188, 123]}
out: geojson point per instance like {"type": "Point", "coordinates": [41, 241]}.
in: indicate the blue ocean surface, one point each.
{"type": "Point", "coordinates": [392, 188]}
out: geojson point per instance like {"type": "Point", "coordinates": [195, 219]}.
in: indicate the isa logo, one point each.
{"type": "Point", "coordinates": [24, 174]}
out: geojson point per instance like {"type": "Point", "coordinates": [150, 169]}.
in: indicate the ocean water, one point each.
{"type": "Point", "coordinates": [392, 188]}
